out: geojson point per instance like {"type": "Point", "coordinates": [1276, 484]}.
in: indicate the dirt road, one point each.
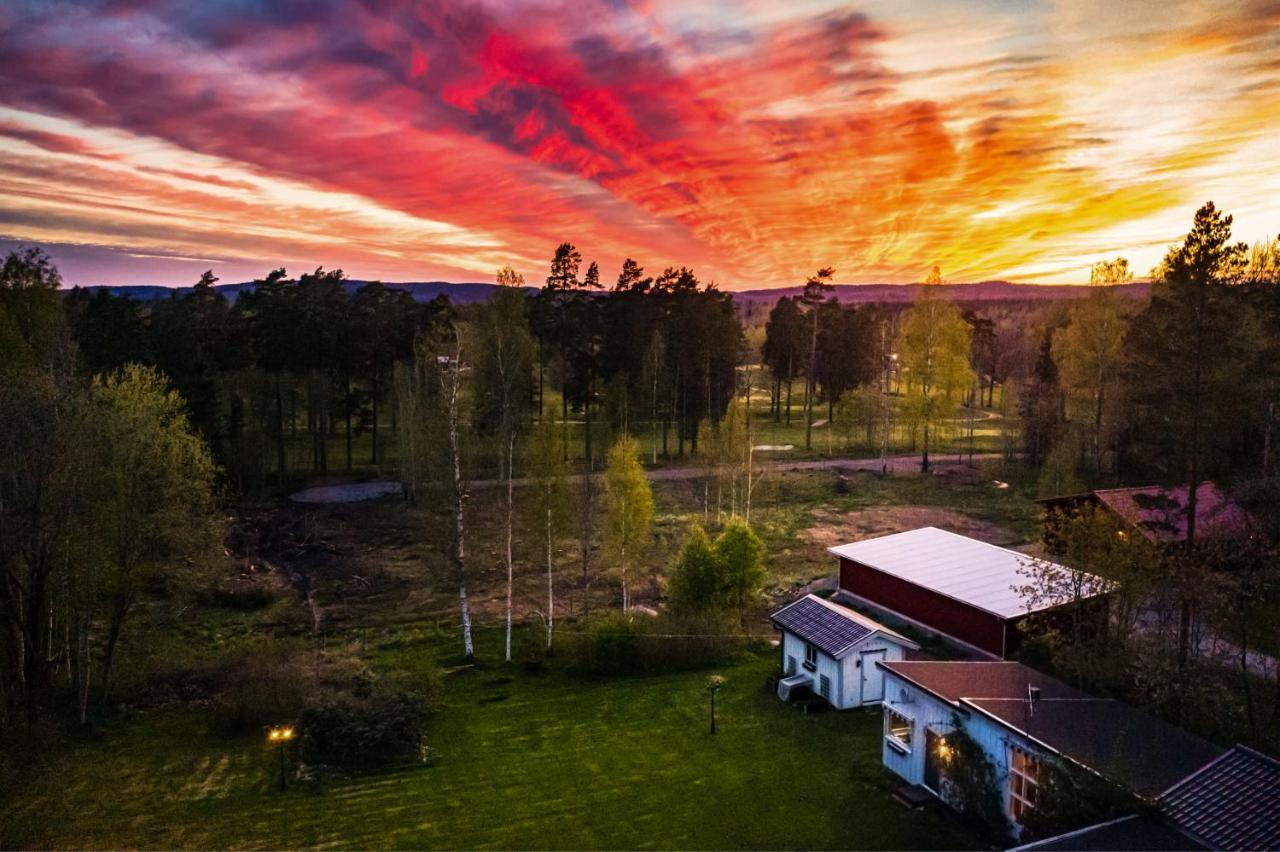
{"type": "Point", "coordinates": [357, 491]}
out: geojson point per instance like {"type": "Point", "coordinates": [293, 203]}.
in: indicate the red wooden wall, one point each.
{"type": "Point", "coordinates": [939, 612]}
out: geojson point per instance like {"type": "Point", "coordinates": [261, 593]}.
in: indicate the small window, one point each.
{"type": "Point", "coordinates": [898, 729]}
{"type": "Point", "coordinates": [791, 665]}
{"type": "Point", "coordinates": [810, 657]}
{"type": "Point", "coordinates": [824, 686]}
{"type": "Point", "coordinates": [1024, 782]}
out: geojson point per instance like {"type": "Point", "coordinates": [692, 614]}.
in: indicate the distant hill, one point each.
{"type": "Point", "coordinates": [984, 291]}
{"type": "Point", "coordinates": [422, 291]}
{"type": "Point", "coordinates": [466, 292]}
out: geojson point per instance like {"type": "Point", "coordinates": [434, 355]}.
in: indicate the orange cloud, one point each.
{"type": "Point", "coordinates": [425, 140]}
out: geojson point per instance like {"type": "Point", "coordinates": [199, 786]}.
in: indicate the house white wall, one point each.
{"type": "Point", "coordinates": [925, 711]}
{"type": "Point", "coordinates": [929, 712]}
{"type": "Point", "coordinates": [793, 646]}
{"type": "Point", "coordinates": [853, 671]}
{"type": "Point", "coordinates": [845, 673]}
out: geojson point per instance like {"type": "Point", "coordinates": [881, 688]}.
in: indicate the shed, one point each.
{"type": "Point", "coordinates": [961, 588]}
{"type": "Point", "coordinates": [833, 650]}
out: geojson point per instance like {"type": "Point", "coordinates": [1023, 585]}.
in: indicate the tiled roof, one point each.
{"type": "Point", "coordinates": [832, 628]}
{"type": "Point", "coordinates": [1233, 803]}
{"type": "Point", "coordinates": [953, 680]}
{"type": "Point", "coordinates": [974, 572]}
{"type": "Point", "coordinates": [1161, 513]}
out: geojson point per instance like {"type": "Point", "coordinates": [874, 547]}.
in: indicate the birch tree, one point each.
{"type": "Point", "coordinates": [503, 382]}
{"type": "Point", "coordinates": [548, 508]}
{"type": "Point", "coordinates": [1089, 351]}
{"type": "Point", "coordinates": [628, 506]}
{"type": "Point", "coordinates": [934, 349]}
{"type": "Point", "coordinates": [430, 393]}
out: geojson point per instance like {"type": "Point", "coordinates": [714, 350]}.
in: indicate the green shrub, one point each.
{"type": "Point", "coordinates": [627, 644]}
{"type": "Point", "coordinates": [382, 730]}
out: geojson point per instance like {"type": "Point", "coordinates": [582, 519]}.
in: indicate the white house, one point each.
{"type": "Point", "coordinates": [1022, 719]}
{"type": "Point", "coordinates": [833, 651]}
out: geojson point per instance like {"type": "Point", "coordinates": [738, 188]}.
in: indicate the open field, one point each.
{"type": "Point", "coordinates": [523, 761]}
{"type": "Point", "coordinates": [383, 561]}
{"type": "Point", "coordinates": [949, 436]}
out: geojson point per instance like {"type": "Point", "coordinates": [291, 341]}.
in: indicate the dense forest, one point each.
{"type": "Point", "coordinates": [127, 428]}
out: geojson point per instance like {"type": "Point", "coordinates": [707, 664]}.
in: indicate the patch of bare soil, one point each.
{"type": "Point", "coordinates": [835, 528]}
{"type": "Point", "coordinates": [374, 563]}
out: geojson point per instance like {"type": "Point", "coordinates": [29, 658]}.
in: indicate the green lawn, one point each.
{"type": "Point", "coordinates": [524, 761]}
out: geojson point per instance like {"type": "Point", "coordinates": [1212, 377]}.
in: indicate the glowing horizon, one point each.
{"type": "Point", "coordinates": [144, 141]}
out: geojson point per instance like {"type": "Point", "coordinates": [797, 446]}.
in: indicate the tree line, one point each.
{"type": "Point", "coordinates": [1105, 388]}
{"type": "Point", "coordinates": [106, 491]}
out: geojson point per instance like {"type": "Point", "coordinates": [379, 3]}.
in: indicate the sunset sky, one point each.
{"type": "Point", "coordinates": [143, 141]}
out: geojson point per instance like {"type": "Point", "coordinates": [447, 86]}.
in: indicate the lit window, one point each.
{"type": "Point", "coordinates": [1024, 782]}
{"type": "Point", "coordinates": [810, 657]}
{"type": "Point", "coordinates": [897, 729]}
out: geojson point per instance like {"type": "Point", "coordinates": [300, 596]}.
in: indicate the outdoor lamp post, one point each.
{"type": "Point", "coordinates": [713, 686]}
{"type": "Point", "coordinates": [280, 736]}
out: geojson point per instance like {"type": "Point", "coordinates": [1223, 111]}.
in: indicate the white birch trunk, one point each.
{"type": "Point", "coordinates": [551, 599]}
{"type": "Point", "coordinates": [511, 449]}
{"type": "Point", "coordinates": [459, 498]}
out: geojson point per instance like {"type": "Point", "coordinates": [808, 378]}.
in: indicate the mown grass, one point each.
{"type": "Point", "coordinates": [524, 760]}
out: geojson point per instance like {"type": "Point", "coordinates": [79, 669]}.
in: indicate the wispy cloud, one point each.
{"type": "Point", "coordinates": [413, 140]}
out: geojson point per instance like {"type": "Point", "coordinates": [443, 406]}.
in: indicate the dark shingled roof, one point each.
{"type": "Point", "coordinates": [830, 627]}
{"type": "Point", "coordinates": [1233, 803]}
{"type": "Point", "coordinates": [1137, 833]}
{"type": "Point", "coordinates": [1135, 749]}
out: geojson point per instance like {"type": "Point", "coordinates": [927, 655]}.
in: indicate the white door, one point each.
{"type": "Point", "coordinates": [872, 677]}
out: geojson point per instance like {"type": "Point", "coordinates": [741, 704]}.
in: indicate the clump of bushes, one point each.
{"type": "Point", "coordinates": [621, 643]}
{"type": "Point", "coordinates": [712, 576]}
{"type": "Point", "coordinates": [384, 729]}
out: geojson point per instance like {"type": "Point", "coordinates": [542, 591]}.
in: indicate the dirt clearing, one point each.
{"type": "Point", "coordinates": [835, 528]}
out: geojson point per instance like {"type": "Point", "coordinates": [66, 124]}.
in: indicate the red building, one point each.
{"type": "Point", "coordinates": [969, 591]}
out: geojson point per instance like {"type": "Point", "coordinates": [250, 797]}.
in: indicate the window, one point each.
{"type": "Point", "coordinates": [824, 686]}
{"type": "Point", "coordinates": [1024, 782]}
{"type": "Point", "coordinates": [791, 665]}
{"type": "Point", "coordinates": [897, 730]}
{"type": "Point", "coordinates": [810, 657]}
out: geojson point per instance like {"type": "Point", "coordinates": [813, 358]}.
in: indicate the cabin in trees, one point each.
{"type": "Point", "coordinates": [965, 590]}
{"type": "Point", "coordinates": [832, 651]}
{"type": "Point", "coordinates": [1025, 725]}
{"type": "Point", "coordinates": [1157, 513]}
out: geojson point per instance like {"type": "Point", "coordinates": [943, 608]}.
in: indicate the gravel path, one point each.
{"type": "Point", "coordinates": [357, 491]}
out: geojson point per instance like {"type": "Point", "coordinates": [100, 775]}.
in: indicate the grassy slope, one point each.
{"type": "Point", "coordinates": [525, 761]}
